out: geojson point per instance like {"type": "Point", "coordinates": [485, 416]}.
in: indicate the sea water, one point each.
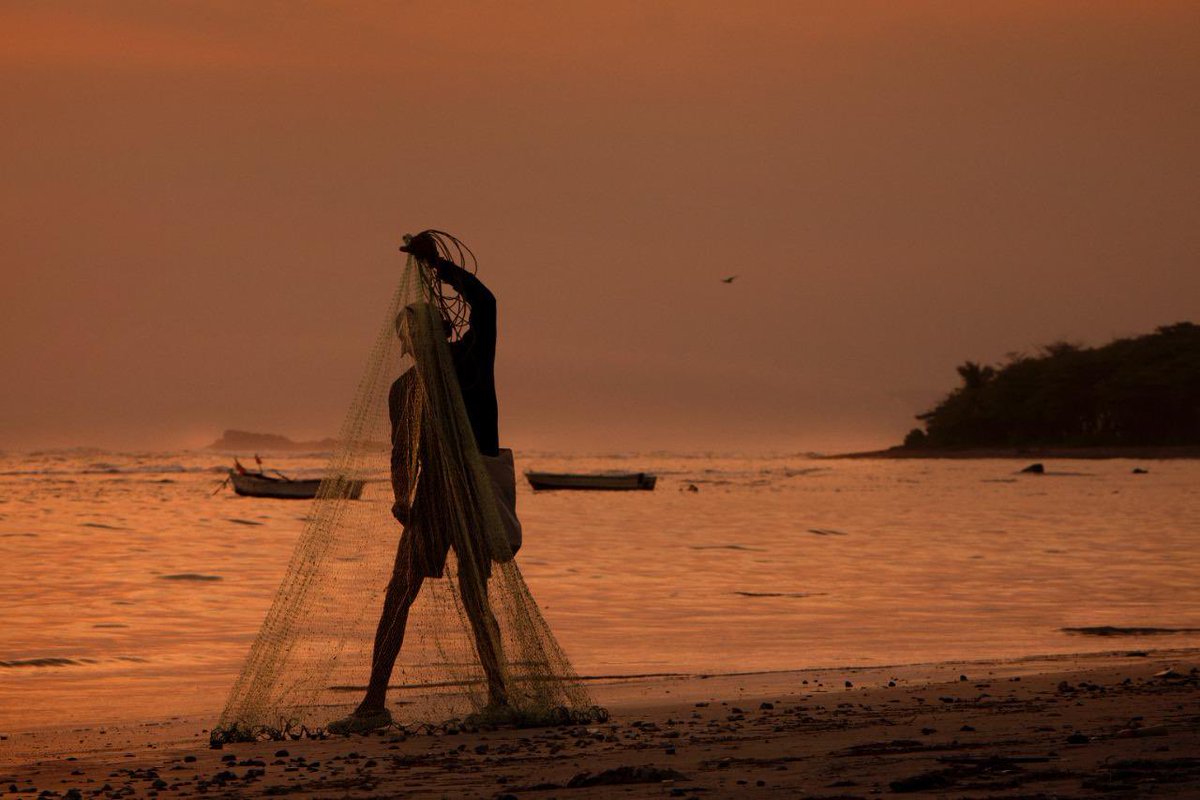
{"type": "Point", "coordinates": [131, 585]}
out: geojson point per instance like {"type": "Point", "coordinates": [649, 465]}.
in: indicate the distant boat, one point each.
{"type": "Point", "coordinates": [251, 485]}
{"type": "Point", "coordinates": [605, 481]}
{"type": "Point", "coordinates": [259, 484]}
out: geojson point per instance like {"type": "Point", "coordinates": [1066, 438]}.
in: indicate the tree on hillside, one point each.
{"type": "Point", "coordinates": [1138, 391]}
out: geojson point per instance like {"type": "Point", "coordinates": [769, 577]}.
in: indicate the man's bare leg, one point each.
{"type": "Point", "coordinates": [486, 630]}
{"type": "Point", "coordinates": [389, 636]}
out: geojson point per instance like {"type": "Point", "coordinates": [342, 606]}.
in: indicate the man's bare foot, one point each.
{"type": "Point", "coordinates": [361, 721]}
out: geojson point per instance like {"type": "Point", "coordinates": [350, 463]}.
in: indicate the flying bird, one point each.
{"type": "Point", "coordinates": [729, 279]}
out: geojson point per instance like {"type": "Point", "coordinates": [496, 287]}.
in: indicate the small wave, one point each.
{"type": "Point", "coordinates": [781, 594]}
{"type": "Point", "coordinates": [42, 662]}
{"type": "Point", "coordinates": [790, 472]}
{"type": "Point", "coordinates": [102, 526]}
{"type": "Point", "coordinates": [14, 535]}
{"type": "Point", "coordinates": [726, 547]}
{"type": "Point", "coordinates": [190, 576]}
{"type": "Point", "coordinates": [142, 469]}
{"type": "Point", "coordinates": [68, 452]}
{"type": "Point", "coordinates": [110, 625]}
{"type": "Point", "coordinates": [243, 521]}
{"type": "Point", "coordinates": [58, 661]}
{"type": "Point", "coordinates": [827, 532]}
{"type": "Point", "coordinates": [105, 468]}
{"type": "Point", "coordinates": [1112, 630]}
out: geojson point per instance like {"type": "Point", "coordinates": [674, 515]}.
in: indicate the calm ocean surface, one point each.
{"type": "Point", "coordinates": [775, 563]}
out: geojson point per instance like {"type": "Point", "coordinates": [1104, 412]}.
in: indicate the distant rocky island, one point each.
{"type": "Point", "coordinates": [1135, 397]}
{"type": "Point", "coordinates": [245, 441]}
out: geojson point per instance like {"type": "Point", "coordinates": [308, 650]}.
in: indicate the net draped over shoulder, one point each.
{"type": "Point", "coordinates": [409, 434]}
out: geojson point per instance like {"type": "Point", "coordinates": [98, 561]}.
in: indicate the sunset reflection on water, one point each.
{"type": "Point", "coordinates": [132, 590]}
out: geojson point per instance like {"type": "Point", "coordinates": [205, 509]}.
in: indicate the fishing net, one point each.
{"type": "Point", "coordinates": [408, 437]}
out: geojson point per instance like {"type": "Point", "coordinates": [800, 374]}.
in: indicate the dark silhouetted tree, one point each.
{"type": "Point", "coordinates": [1138, 391]}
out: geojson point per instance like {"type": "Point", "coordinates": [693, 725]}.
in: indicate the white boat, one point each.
{"type": "Point", "coordinates": [257, 485]}
{"type": "Point", "coordinates": [603, 481]}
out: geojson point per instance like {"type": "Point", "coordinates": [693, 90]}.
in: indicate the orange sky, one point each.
{"type": "Point", "coordinates": [202, 201]}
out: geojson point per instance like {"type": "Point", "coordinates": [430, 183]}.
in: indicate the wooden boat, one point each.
{"type": "Point", "coordinates": [603, 481]}
{"type": "Point", "coordinates": [252, 484]}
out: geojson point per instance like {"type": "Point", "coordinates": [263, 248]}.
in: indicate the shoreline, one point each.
{"type": "Point", "coordinates": [1062, 725]}
{"type": "Point", "coordinates": [620, 688]}
{"type": "Point", "coordinates": [1085, 453]}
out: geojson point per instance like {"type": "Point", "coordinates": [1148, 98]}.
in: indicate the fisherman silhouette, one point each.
{"type": "Point", "coordinates": [424, 547]}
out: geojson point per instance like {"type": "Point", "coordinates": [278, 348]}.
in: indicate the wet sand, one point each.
{"type": "Point", "coordinates": [1111, 725]}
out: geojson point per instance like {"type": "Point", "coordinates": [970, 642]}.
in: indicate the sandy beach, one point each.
{"type": "Point", "coordinates": [1118, 724]}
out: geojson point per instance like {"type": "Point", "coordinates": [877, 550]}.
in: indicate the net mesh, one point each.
{"type": "Point", "coordinates": [408, 437]}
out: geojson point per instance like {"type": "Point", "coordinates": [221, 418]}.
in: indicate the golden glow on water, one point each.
{"type": "Point", "coordinates": [774, 563]}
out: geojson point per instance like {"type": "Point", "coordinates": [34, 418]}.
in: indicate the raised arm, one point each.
{"type": "Point", "coordinates": [482, 302]}
{"type": "Point", "coordinates": [482, 318]}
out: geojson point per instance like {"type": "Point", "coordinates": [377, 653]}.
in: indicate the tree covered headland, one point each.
{"type": "Point", "coordinates": [1140, 391]}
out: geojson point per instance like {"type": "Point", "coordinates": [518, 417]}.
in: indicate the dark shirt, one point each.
{"type": "Point", "coordinates": [474, 357]}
